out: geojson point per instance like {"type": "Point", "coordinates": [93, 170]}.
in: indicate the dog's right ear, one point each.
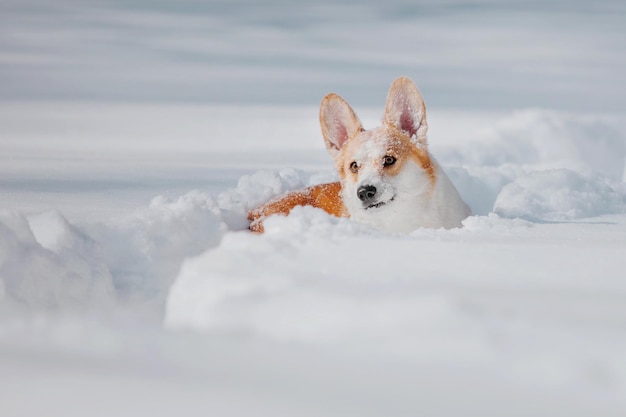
{"type": "Point", "coordinates": [339, 123]}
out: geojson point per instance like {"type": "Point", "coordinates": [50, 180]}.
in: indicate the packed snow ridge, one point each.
{"type": "Point", "coordinates": [526, 294]}
{"type": "Point", "coordinates": [542, 166]}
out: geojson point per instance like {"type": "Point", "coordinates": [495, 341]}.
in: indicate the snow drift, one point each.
{"type": "Point", "coordinates": [117, 302]}
{"type": "Point", "coordinates": [570, 168]}
{"type": "Point", "coordinates": [524, 302]}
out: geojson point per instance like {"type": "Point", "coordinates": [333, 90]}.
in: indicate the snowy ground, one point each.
{"type": "Point", "coordinates": [129, 285]}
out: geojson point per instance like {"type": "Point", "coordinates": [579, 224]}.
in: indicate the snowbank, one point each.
{"type": "Point", "coordinates": [60, 270]}
{"type": "Point", "coordinates": [537, 165]}
{"type": "Point", "coordinates": [522, 304]}
{"type": "Point", "coordinates": [514, 306]}
{"type": "Point", "coordinates": [541, 165]}
{"type": "Point", "coordinates": [521, 312]}
{"type": "Point", "coordinates": [546, 139]}
{"type": "Point", "coordinates": [530, 305]}
{"type": "Point", "coordinates": [560, 194]}
{"type": "Point", "coordinates": [46, 262]}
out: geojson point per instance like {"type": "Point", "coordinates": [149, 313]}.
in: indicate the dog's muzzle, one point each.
{"type": "Point", "coordinates": [367, 194]}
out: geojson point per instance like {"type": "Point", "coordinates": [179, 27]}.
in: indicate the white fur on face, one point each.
{"type": "Point", "coordinates": [409, 189]}
{"type": "Point", "coordinates": [401, 195]}
{"type": "Point", "coordinates": [369, 158]}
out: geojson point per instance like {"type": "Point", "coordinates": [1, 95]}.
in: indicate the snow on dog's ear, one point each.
{"type": "Point", "coordinates": [406, 111]}
{"type": "Point", "coordinates": [338, 121]}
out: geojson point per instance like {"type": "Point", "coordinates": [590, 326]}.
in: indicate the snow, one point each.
{"type": "Point", "coordinates": [174, 305]}
{"type": "Point", "coordinates": [558, 195]}
{"type": "Point", "coordinates": [129, 284]}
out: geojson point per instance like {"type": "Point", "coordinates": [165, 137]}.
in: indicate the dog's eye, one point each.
{"type": "Point", "coordinates": [389, 160]}
{"type": "Point", "coordinates": [354, 167]}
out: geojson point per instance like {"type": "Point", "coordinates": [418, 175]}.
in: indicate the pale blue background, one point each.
{"type": "Point", "coordinates": [567, 55]}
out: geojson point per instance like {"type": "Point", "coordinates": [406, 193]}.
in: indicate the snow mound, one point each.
{"type": "Point", "coordinates": [434, 296]}
{"type": "Point", "coordinates": [542, 165]}
{"type": "Point", "coordinates": [351, 297]}
{"type": "Point", "coordinates": [536, 165]}
{"type": "Point", "coordinates": [546, 139]}
{"type": "Point", "coordinates": [144, 251]}
{"type": "Point", "coordinates": [510, 306]}
{"type": "Point", "coordinates": [47, 262]}
{"type": "Point", "coordinates": [51, 266]}
{"type": "Point", "coordinates": [560, 194]}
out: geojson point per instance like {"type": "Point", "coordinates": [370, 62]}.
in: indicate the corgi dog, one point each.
{"type": "Point", "coordinates": [388, 178]}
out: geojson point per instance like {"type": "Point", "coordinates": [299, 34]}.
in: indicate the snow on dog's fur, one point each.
{"type": "Point", "coordinates": [388, 177]}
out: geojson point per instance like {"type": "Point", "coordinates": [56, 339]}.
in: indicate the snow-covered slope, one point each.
{"type": "Point", "coordinates": [519, 310]}
{"type": "Point", "coordinates": [134, 136]}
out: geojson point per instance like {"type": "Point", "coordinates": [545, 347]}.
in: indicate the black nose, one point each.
{"type": "Point", "coordinates": [366, 193]}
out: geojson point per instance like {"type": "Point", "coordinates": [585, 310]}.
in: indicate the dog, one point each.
{"type": "Point", "coordinates": [389, 179]}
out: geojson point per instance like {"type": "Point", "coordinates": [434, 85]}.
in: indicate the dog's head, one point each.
{"type": "Point", "coordinates": [380, 168]}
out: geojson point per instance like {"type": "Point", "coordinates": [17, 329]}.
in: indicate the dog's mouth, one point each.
{"type": "Point", "coordinates": [380, 203]}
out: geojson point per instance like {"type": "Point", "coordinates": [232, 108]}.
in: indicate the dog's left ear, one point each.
{"type": "Point", "coordinates": [406, 111]}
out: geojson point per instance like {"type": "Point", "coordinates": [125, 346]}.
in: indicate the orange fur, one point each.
{"type": "Point", "coordinates": [324, 196]}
